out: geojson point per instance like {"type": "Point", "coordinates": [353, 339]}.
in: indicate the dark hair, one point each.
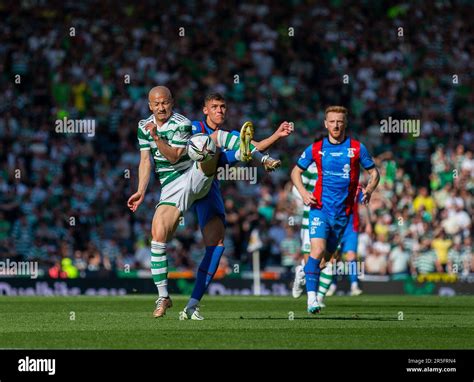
{"type": "Point", "coordinates": [213, 97]}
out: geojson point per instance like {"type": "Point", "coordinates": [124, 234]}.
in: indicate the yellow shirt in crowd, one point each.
{"type": "Point", "coordinates": [441, 247]}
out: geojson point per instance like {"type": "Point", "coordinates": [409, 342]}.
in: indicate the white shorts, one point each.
{"type": "Point", "coordinates": [184, 190]}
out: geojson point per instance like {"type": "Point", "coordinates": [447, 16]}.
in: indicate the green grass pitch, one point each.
{"type": "Point", "coordinates": [364, 322]}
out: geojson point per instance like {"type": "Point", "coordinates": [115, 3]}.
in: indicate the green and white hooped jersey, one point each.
{"type": "Point", "coordinates": [176, 132]}
{"type": "Point", "coordinates": [308, 178]}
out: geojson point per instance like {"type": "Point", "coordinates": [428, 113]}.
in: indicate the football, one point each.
{"type": "Point", "coordinates": [201, 148]}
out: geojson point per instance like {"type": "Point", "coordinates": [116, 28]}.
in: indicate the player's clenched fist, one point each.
{"type": "Point", "coordinates": [135, 200]}
{"type": "Point", "coordinates": [285, 129]}
{"type": "Point", "coordinates": [151, 127]}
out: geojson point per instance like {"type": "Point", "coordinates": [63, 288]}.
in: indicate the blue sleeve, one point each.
{"type": "Point", "coordinates": [227, 157]}
{"type": "Point", "coordinates": [306, 158]}
{"type": "Point", "coordinates": [365, 159]}
{"type": "Point", "coordinates": [196, 127]}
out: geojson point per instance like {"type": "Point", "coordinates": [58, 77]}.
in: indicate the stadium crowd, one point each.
{"type": "Point", "coordinates": [63, 195]}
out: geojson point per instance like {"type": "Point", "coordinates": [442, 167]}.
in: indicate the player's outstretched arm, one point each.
{"type": "Point", "coordinates": [372, 185]}
{"type": "Point", "coordinates": [144, 170]}
{"type": "Point", "coordinates": [297, 180]}
{"type": "Point", "coordinates": [283, 131]}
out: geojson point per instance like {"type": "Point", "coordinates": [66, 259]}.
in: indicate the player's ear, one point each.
{"type": "Point", "coordinates": [205, 110]}
{"type": "Point", "coordinates": [325, 124]}
{"type": "Point", "coordinates": [149, 105]}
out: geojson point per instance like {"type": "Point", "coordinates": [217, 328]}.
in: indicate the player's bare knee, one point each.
{"type": "Point", "coordinates": [317, 251]}
{"type": "Point", "coordinates": [158, 233]}
{"type": "Point", "coordinates": [158, 236]}
{"type": "Point", "coordinates": [351, 256]}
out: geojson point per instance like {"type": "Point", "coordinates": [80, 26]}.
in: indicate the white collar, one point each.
{"type": "Point", "coordinates": [160, 127]}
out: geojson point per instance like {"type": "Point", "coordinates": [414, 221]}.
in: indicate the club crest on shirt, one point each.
{"type": "Point", "coordinates": [346, 169]}
{"type": "Point", "coordinates": [315, 223]}
{"type": "Point", "coordinates": [350, 152]}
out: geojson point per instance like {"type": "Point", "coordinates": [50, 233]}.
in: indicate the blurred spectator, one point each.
{"type": "Point", "coordinates": [425, 260]}
{"type": "Point", "coordinates": [423, 200]}
{"type": "Point", "coordinates": [441, 247]}
{"type": "Point", "coordinates": [290, 248]}
{"type": "Point", "coordinates": [399, 259]}
{"type": "Point", "coordinates": [375, 263]}
{"type": "Point", "coordinates": [459, 261]}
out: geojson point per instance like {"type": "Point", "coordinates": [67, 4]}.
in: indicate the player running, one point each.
{"type": "Point", "coordinates": [338, 159]}
{"type": "Point", "coordinates": [210, 209]}
{"type": "Point", "coordinates": [165, 134]}
{"type": "Point", "coordinates": [347, 247]}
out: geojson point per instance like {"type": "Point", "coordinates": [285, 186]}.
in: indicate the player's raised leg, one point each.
{"type": "Point", "coordinates": [241, 144]}
{"type": "Point", "coordinates": [246, 136]}
{"type": "Point", "coordinates": [226, 140]}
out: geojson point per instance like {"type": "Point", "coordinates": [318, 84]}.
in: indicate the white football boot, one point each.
{"type": "Point", "coordinates": [320, 300]}
{"type": "Point", "coordinates": [299, 282]}
{"type": "Point", "coordinates": [355, 290]}
{"type": "Point", "coordinates": [191, 314]}
{"type": "Point", "coordinates": [331, 290]}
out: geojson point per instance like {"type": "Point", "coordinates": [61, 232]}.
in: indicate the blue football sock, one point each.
{"type": "Point", "coordinates": [312, 271]}
{"type": "Point", "coordinates": [228, 157]}
{"type": "Point", "coordinates": [207, 270]}
{"type": "Point", "coordinates": [353, 271]}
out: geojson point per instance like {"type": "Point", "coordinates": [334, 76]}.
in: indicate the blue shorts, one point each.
{"type": "Point", "coordinates": [331, 228]}
{"type": "Point", "coordinates": [209, 206]}
{"type": "Point", "coordinates": [350, 238]}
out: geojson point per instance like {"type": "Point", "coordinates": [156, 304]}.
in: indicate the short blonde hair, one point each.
{"type": "Point", "coordinates": [336, 109]}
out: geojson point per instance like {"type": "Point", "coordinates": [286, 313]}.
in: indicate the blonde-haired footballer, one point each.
{"type": "Point", "coordinates": [347, 249]}
{"type": "Point", "coordinates": [338, 159]}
